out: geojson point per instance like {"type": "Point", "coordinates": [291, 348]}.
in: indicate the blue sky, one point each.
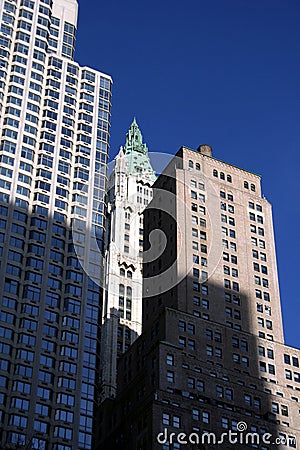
{"type": "Point", "coordinates": [226, 73]}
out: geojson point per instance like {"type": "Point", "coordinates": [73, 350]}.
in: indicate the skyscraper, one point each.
{"type": "Point", "coordinates": [129, 193]}
{"type": "Point", "coordinates": [55, 118]}
{"type": "Point", "coordinates": [211, 358]}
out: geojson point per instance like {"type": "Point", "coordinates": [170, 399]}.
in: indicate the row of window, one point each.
{"type": "Point", "coordinates": [294, 360]}
{"type": "Point", "coordinates": [222, 176]}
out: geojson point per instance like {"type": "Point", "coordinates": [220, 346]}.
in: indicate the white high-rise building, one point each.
{"type": "Point", "coordinates": [54, 132]}
{"type": "Point", "coordinates": [129, 194]}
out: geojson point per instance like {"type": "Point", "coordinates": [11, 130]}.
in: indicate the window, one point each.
{"type": "Point", "coordinates": [236, 357]}
{"type": "Point", "coordinates": [263, 256]}
{"type": "Point", "coordinates": [191, 328]}
{"type": "Point", "coordinates": [166, 419]}
{"type": "Point", "coordinates": [228, 394]}
{"type": "Point", "coordinates": [182, 341]}
{"type": "Point", "coordinates": [182, 325]}
{"type": "Point", "coordinates": [205, 417]}
{"type": "Point", "coordinates": [288, 374]}
{"type": "Point", "coordinates": [218, 352]}
{"type": "Point", "coordinates": [245, 361]}
{"type": "Point", "coordinates": [260, 231]}
{"type": "Point", "coordinates": [195, 414]}
{"type": "Point", "coordinates": [235, 286]}
{"type": "Point", "coordinates": [191, 383]}
{"type": "Point", "coordinates": [269, 324]}
{"type": "Point", "coordinates": [295, 361]}
{"type": "Point", "coordinates": [209, 350]}
{"type": "Point", "coordinates": [176, 422]}
{"type": "Point", "coordinates": [244, 345]}
{"type": "Point", "coordinates": [225, 422]}
{"type": "Point", "coordinates": [275, 408]}
{"type": "Point", "coordinates": [271, 368]}
{"type": "Point", "coordinates": [209, 335]}
{"type": "Point", "coordinates": [203, 247]}
{"type": "Point", "coordinates": [262, 366]}
{"type": "Point", "coordinates": [265, 282]}
{"type": "Point", "coordinates": [256, 403]}
{"type": "Point", "coordinates": [170, 376]}
{"type": "Point", "coordinates": [200, 386]}
{"type": "Point", "coordinates": [195, 259]}
{"type": "Point", "coordinates": [248, 400]}
{"type": "Point", "coordinates": [261, 243]}
{"type": "Point", "coordinates": [234, 272]}
{"type": "Point", "coordinates": [170, 360]}
{"type": "Point", "coordinates": [260, 219]}
{"type": "Point", "coordinates": [297, 377]}
{"type": "Point", "coordinates": [196, 301]}
{"type": "Point", "coordinates": [226, 270]}
{"type": "Point", "coordinates": [204, 289]}
{"type": "Point", "coordinates": [191, 344]}
{"type": "Point", "coordinates": [231, 221]}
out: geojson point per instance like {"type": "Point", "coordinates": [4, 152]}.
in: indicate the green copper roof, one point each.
{"type": "Point", "coordinates": [136, 152]}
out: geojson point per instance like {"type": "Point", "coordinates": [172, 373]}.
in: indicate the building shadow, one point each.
{"type": "Point", "coordinates": [50, 336]}
{"type": "Point", "coordinates": [115, 334]}
{"type": "Point", "coordinates": [188, 374]}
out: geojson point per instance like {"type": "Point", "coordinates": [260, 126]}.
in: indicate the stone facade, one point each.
{"type": "Point", "coordinates": [129, 193]}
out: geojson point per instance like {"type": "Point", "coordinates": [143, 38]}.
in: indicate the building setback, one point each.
{"type": "Point", "coordinates": [129, 192]}
{"type": "Point", "coordinates": [55, 118]}
{"type": "Point", "coordinates": [211, 357]}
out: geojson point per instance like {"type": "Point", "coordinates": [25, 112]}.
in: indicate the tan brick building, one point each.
{"type": "Point", "coordinates": [211, 357]}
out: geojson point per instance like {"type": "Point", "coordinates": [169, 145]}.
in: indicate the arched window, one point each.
{"type": "Point", "coordinates": [129, 274]}
{"type": "Point", "coordinates": [253, 187]}
{"type": "Point", "coordinates": [222, 176]}
{"type": "Point", "coordinates": [121, 289]}
{"type": "Point", "coordinates": [128, 292]}
{"type": "Point", "coordinates": [122, 272]}
{"type": "Point", "coordinates": [246, 185]}
{"type": "Point", "coordinates": [229, 179]}
{"type": "Point", "coordinates": [191, 164]}
{"type": "Point", "coordinates": [197, 166]}
{"type": "Point", "coordinates": [215, 173]}
{"type": "Point", "coordinates": [121, 295]}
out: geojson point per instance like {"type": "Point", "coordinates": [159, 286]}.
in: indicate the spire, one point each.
{"type": "Point", "coordinates": [136, 152]}
{"type": "Point", "coordinates": [134, 140]}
